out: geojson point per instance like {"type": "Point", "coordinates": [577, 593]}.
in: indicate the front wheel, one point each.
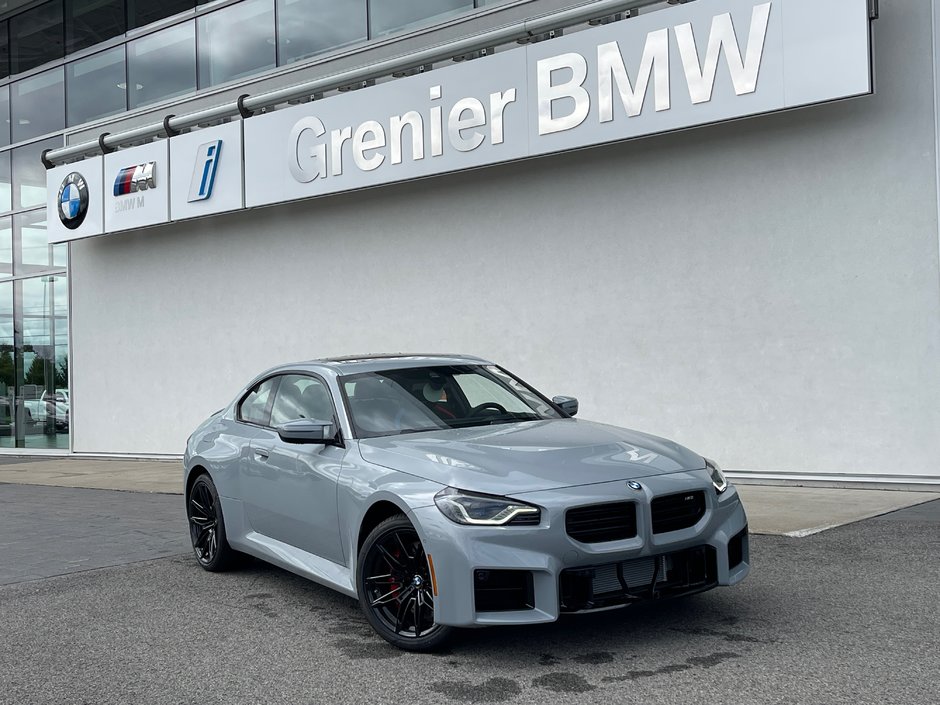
{"type": "Point", "coordinates": [206, 526]}
{"type": "Point", "coordinates": [395, 589]}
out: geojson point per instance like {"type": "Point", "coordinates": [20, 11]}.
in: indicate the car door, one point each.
{"type": "Point", "coordinates": [291, 488]}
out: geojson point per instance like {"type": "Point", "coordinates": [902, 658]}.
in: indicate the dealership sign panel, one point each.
{"type": "Point", "coordinates": [692, 64]}
{"type": "Point", "coordinates": [74, 200]}
{"type": "Point", "coordinates": [206, 172]}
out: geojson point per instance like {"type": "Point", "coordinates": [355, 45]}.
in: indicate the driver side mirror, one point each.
{"type": "Point", "coordinates": [567, 404]}
{"type": "Point", "coordinates": [308, 431]}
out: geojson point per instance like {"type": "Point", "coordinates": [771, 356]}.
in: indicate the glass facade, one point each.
{"type": "Point", "coordinates": [96, 86]}
{"type": "Point", "coordinates": [34, 335]}
{"type": "Point", "coordinates": [390, 15]}
{"type": "Point", "coordinates": [161, 65]}
{"type": "Point", "coordinates": [309, 27]}
{"type": "Point", "coordinates": [236, 41]}
{"type": "Point", "coordinates": [37, 105]}
{"type": "Point", "coordinates": [201, 44]}
{"type": "Point", "coordinates": [203, 47]}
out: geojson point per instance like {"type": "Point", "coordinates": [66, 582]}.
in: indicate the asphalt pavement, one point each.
{"type": "Point", "coordinates": [121, 613]}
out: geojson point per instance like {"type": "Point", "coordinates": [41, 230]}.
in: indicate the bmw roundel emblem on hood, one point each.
{"type": "Point", "coordinates": [634, 485]}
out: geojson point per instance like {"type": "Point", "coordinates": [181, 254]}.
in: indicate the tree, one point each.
{"type": "Point", "coordinates": [36, 374]}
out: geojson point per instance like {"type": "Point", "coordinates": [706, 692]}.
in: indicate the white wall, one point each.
{"type": "Point", "coordinates": [766, 292]}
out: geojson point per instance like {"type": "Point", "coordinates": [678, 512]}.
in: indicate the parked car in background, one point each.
{"type": "Point", "coordinates": [443, 492]}
{"type": "Point", "coordinates": [39, 411]}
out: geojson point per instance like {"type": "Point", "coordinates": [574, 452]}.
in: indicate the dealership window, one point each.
{"type": "Point", "coordinates": [41, 411]}
{"type": "Point", "coordinates": [6, 182]}
{"type": "Point", "coordinates": [308, 27]}
{"type": "Point", "coordinates": [31, 250]}
{"type": "Point", "coordinates": [96, 86]}
{"type": "Point", "coordinates": [4, 49]}
{"type": "Point", "coordinates": [162, 65]}
{"type": "Point", "coordinates": [143, 12]}
{"type": "Point", "coordinates": [4, 116]}
{"type": "Point", "coordinates": [6, 247]}
{"type": "Point", "coordinates": [390, 15]}
{"type": "Point", "coordinates": [37, 105]}
{"type": "Point", "coordinates": [236, 41]}
{"type": "Point", "coordinates": [29, 175]}
{"type": "Point", "coordinates": [88, 22]}
{"type": "Point", "coordinates": [36, 36]}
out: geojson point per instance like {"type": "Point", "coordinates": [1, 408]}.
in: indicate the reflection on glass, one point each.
{"type": "Point", "coordinates": [7, 372]}
{"type": "Point", "coordinates": [36, 37]}
{"type": "Point", "coordinates": [4, 115]}
{"type": "Point", "coordinates": [4, 49]}
{"type": "Point", "coordinates": [29, 175]}
{"type": "Point", "coordinates": [308, 27]}
{"type": "Point", "coordinates": [6, 246]}
{"type": "Point", "coordinates": [60, 255]}
{"type": "Point", "coordinates": [88, 22]}
{"type": "Point", "coordinates": [390, 15]}
{"type": "Point", "coordinates": [38, 105]}
{"type": "Point", "coordinates": [236, 41]}
{"type": "Point", "coordinates": [96, 86]}
{"type": "Point", "coordinates": [41, 413]}
{"type": "Point", "coordinates": [6, 183]}
{"type": "Point", "coordinates": [31, 251]}
{"type": "Point", "coordinates": [143, 12]}
{"type": "Point", "coordinates": [162, 65]}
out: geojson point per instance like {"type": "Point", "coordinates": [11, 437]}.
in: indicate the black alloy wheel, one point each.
{"type": "Point", "coordinates": [206, 527]}
{"type": "Point", "coordinates": [395, 587]}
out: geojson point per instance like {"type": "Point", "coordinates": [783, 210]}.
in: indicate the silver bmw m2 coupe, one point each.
{"type": "Point", "coordinates": [442, 491]}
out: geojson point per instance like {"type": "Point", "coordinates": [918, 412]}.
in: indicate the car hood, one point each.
{"type": "Point", "coordinates": [529, 456]}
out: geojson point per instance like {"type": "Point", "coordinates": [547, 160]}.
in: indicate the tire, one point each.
{"type": "Point", "coordinates": [207, 527]}
{"type": "Point", "coordinates": [395, 588]}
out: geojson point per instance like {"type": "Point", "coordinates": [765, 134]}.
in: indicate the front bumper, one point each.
{"type": "Point", "coordinates": [540, 571]}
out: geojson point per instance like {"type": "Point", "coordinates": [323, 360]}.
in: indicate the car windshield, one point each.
{"type": "Point", "coordinates": [415, 399]}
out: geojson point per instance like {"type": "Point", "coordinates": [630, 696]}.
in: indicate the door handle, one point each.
{"type": "Point", "coordinates": [263, 454]}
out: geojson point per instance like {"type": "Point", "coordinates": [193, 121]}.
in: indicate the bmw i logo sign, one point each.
{"type": "Point", "coordinates": [73, 200]}
{"type": "Point", "coordinates": [634, 485]}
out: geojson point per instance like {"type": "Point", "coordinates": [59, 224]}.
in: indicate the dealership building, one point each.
{"type": "Point", "coordinates": [716, 221]}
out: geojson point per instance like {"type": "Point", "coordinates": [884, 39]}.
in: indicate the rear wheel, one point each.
{"type": "Point", "coordinates": [206, 526]}
{"type": "Point", "coordinates": [395, 588]}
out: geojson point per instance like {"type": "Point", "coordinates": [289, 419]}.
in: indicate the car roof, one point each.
{"type": "Point", "coordinates": [351, 364]}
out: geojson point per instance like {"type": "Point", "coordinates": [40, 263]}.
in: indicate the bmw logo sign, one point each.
{"type": "Point", "coordinates": [73, 200]}
{"type": "Point", "coordinates": [634, 485]}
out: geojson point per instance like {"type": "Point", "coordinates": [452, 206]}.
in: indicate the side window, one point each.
{"type": "Point", "coordinates": [253, 407]}
{"type": "Point", "coordinates": [301, 397]}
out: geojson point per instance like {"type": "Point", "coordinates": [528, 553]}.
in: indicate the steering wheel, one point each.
{"type": "Point", "coordinates": [499, 408]}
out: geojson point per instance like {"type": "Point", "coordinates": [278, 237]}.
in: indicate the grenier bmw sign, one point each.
{"type": "Point", "coordinates": [691, 64]}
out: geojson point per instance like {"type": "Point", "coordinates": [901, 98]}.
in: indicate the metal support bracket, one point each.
{"type": "Point", "coordinates": [105, 149]}
{"type": "Point", "coordinates": [170, 131]}
{"type": "Point", "coordinates": [242, 110]}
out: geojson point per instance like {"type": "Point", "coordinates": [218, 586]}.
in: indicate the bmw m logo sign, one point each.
{"type": "Point", "coordinates": [135, 178]}
{"type": "Point", "coordinates": [634, 485]}
{"type": "Point", "coordinates": [73, 200]}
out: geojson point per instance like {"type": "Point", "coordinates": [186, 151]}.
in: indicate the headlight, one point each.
{"type": "Point", "coordinates": [718, 477]}
{"type": "Point", "coordinates": [484, 510]}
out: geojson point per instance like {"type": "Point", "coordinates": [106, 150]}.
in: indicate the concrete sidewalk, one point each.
{"type": "Point", "coordinates": [786, 511]}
